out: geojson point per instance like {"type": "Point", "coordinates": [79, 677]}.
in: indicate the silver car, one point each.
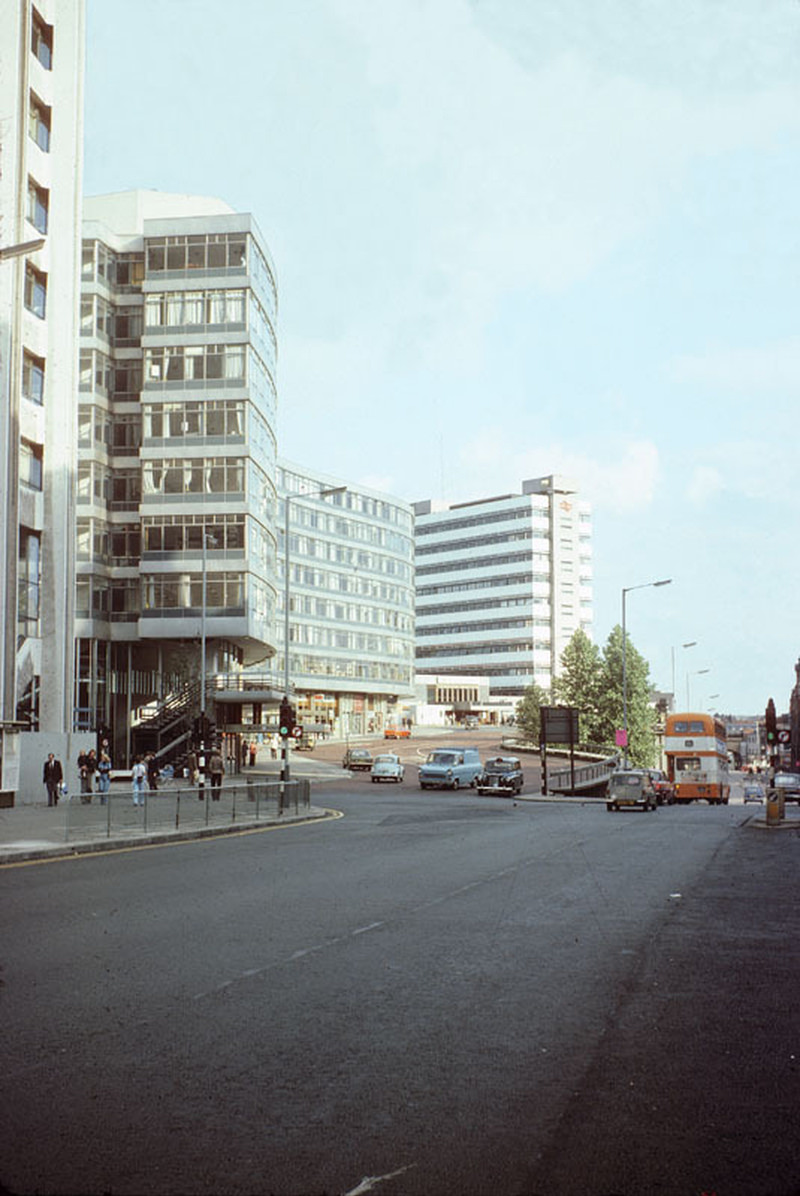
{"type": "Point", "coordinates": [387, 768]}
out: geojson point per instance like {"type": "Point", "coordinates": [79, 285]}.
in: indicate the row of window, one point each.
{"type": "Point", "coordinates": [511, 646]}
{"type": "Point", "coordinates": [194, 363]}
{"type": "Point", "coordinates": [298, 486]}
{"type": "Point", "coordinates": [122, 271]}
{"type": "Point", "coordinates": [395, 673]}
{"type": "Point", "coordinates": [471, 628]}
{"type": "Point", "coordinates": [121, 326]}
{"type": "Point", "coordinates": [504, 537]}
{"type": "Point", "coordinates": [434, 529]}
{"type": "Point", "coordinates": [305, 605]}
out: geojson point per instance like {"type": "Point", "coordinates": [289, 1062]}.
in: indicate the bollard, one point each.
{"type": "Point", "coordinates": [773, 807]}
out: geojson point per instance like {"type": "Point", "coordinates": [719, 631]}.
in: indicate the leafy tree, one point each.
{"type": "Point", "coordinates": [641, 716]}
{"type": "Point", "coordinates": [579, 683]}
{"type": "Point", "coordinates": [527, 714]}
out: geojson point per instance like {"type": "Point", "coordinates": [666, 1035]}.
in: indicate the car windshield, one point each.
{"type": "Point", "coordinates": [386, 759]}
{"type": "Point", "coordinates": [629, 780]}
{"type": "Point", "coordinates": [442, 758]}
{"type": "Point", "coordinates": [359, 755]}
{"type": "Point", "coordinates": [500, 766]}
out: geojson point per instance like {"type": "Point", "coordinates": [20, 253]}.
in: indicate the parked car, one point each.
{"type": "Point", "coordinates": [305, 744]}
{"type": "Point", "coordinates": [631, 787]}
{"type": "Point", "coordinates": [787, 783]}
{"type": "Point", "coordinates": [355, 758]}
{"type": "Point", "coordinates": [665, 790]}
{"type": "Point", "coordinates": [450, 768]}
{"type": "Point", "coordinates": [387, 768]}
{"type": "Point", "coordinates": [501, 775]}
{"type": "Point", "coordinates": [753, 793]}
{"type": "Point", "coordinates": [397, 733]}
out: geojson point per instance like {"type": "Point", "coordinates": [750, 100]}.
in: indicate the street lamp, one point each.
{"type": "Point", "coordinates": [324, 493]}
{"type": "Point", "coordinates": [696, 673]}
{"type": "Point", "coordinates": [212, 540]}
{"type": "Point", "coordinates": [626, 590]}
{"type": "Point", "coordinates": [19, 250]}
{"type": "Point", "coordinates": [690, 644]}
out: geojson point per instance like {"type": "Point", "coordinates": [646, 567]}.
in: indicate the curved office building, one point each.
{"type": "Point", "coordinates": [176, 491]}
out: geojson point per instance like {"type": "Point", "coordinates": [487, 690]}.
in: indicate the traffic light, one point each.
{"type": "Point", "coordinates": [771, 723]}
{"type": "Point", "coordinates": [286, 719]}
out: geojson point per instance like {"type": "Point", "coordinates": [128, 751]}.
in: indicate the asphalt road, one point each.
{"type": "Point", "coordinates": [444, 993]}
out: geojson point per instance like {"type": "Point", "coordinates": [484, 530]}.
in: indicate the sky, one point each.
{"type": "Point", "coordinates": [513, 238]}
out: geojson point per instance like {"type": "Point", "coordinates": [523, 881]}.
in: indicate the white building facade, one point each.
{"type": "Point", "coordinates": [503, 583]}
{"type": "Point", "coordinates": [41, 136]}
{"type": "Point", "coordinates": [176, 488]}
{"type": "Point", "coordinates": [351, 602]}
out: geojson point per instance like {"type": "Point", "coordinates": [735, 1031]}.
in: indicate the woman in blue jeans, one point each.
{"type": "Point", "coordinates": [103, 776]}
{"type": "Point", "coordinates": [139, 780]}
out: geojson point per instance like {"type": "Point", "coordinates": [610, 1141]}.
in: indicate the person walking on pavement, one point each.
{"type": "Point", "coordinates": [103, 776]}
{"type": "Point", "coordinates": [152, 771]}
{"type": "Point", "coordinates": [87, 765]}
{"type": "Point", "coordinates": [138, 778]}
{"type": "Point", "coordinates": [253, 750]}
{"type": "Point", "coordinates": [216, 767]}
{"type": "Point", "coordinates": [53, 776]}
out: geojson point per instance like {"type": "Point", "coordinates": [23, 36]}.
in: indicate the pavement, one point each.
{"type": "Point", "coordinates": [248, 802]}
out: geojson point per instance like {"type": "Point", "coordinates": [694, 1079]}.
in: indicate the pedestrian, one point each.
{"type": "Point", "coordinates": [216, 767]}
{"type": "Point", "coordinates": [138, 778]}
{"type": "Point", "coordinates": [103, 776]}
{"type": "Point", "coordinates": [53, 776]}
{"type": "Point", "coordinates": [87, 766]}
{"type": "Point", "coordinates": [253, 750]}
{"type": "Point", "coordinates": [192, 769]}
{"type": "Point", "coordinates": [152, 771]}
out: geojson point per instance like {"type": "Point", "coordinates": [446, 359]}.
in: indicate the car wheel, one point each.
{"type": "Point", "coordinates": [454, 783]}
{"type": "Point", "coordinates": [610, 807]}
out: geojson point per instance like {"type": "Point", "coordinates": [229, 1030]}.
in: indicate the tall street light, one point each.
{"type": "Point", "coordinates": [20, 250]}
{"type": "Point", "coordinates": [324, 493]}
{"type": "Point", "coordinates": [212, 540]}
{"type": "Point", "coordinates": [690, 644]}
{"type": "Point", "coordinates": [626, 590]}
{"type": "Point", "coordinates": [696, 673]}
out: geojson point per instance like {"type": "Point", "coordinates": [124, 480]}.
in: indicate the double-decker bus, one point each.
{"type": "Point", "coordinates": [697, 758]}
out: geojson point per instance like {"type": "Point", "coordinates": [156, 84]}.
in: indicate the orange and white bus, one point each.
{"type": "Point", "coordinates": [697, 758]}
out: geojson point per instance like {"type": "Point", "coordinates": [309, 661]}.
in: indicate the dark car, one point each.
{"type": "Point", "coordinates": [501, 775]}
{"type": "Point", "coordinates": [357, 758]}
{"type": "Point", "coordinates": [787, 783]}
{"type": "Point", "coordinates": [665, 790]}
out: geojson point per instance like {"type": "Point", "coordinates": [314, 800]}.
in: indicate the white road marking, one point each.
{"type": "Point", "coordinates": [371, 1181]}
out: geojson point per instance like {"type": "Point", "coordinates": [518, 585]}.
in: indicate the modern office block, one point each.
{"type": "Point", "coordinates": [503, 583]}
{"type": "Point", "coordinates": [41, 134]}
{"type": "Point", "coordinates": [176, 494]}
{"type": "Point", "coordinates": [351, 601]}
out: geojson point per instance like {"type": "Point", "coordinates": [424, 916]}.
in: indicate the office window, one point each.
{"type": "Point", "coordinates": [42, 41]}
{"type": "Point", "coordinates": [30, 464]}
{"type": "Point", "coordinates": [33, 377]}
{"type": "Point", "coordinates": [35, 291]}
{"type": "Point", "coordinates": [29, 582]}
{"type": "Point", "coordinates": [39, 118]}
{"type": "Point", "coordinates": [38, 205]}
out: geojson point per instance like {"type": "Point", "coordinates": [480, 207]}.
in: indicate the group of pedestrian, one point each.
{"type": "Point", "coordinates": [92, 769]}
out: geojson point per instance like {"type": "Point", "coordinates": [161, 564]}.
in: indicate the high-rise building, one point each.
{"type": "Point", "coordinates": [176, 488]}
{"type": "Point", "coordinates": [351, 601]}
{"type": "Point", "coordinates": [41, 135]}
{"type": "Point", "coordinates": [503, 583]}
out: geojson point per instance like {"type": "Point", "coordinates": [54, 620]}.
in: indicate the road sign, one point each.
{"type": "Point", "coordinates": [297, 732]}
{"type": "Point", "coordinates": [784, 736]}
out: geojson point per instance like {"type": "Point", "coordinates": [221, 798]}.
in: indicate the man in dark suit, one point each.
{"type": "Point", "coordinates": [53, 776]}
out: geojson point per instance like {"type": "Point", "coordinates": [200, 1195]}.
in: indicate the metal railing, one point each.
{"type": "Point", "coordinates": [174, 808]}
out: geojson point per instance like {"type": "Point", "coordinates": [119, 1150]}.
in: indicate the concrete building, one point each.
{"type": "Point", "coordinates": [503, 583]}
{"type": "Point", "coordinates": [41, 135]}
{"type": "Point", "coordinates": [176, 489]}
{"type": "Point", "coordinates": [351, 602]}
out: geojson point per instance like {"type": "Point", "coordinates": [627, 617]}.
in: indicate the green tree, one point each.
{"type": "Point", "coordinates": [641, 715]}
{"type": "Point", "coordinates": [578, 683]}
{"type": "Point", "coordinates": [527, 715]}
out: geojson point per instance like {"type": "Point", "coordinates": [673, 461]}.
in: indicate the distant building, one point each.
{"type": "Point", "coordinates": [351, 602]}
{"type": "Point", "coordinates": [41, 147]}
{"type": "Point", "coordinates": [503, 583]}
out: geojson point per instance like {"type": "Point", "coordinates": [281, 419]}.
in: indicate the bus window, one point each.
{"type": "Point", "coordinates": [687, 764]}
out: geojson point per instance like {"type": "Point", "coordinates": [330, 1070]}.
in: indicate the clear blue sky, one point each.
{"type": "Point", "coordinates": [516, 237]}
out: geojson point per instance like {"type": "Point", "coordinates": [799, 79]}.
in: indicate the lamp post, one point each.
{"type": "Point", "coordinates": [20, 250]}
{"type": "Point", "coordinates": [207, 539]}
{"type": "Point", "coordinates": [626, 590]}
{"type": "Point", "coordinates": [711, 699]}
{"type": "Point", "coordinates": [690, 644]}
{"type": "Point", "coordinates": [323, 493]}
{"type": "Point", "coordinates": [696, 673]}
